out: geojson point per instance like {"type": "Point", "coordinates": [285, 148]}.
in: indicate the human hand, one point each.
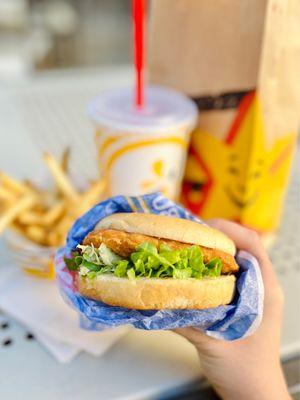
{"type": "Point", "coordinates": [248, 368]}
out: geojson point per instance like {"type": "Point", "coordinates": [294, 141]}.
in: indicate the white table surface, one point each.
{"type": "Point", "coordinates": [140, 365]}
{"type": "Point", "coordinates": [43, 113]}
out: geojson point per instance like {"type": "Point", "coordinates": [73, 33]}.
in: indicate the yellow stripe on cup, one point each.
{"type": "Point", "coordinates": [107, 142]}
{"type": "Point", "coordinates": [133, 146]}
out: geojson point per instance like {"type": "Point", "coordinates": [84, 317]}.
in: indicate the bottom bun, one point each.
{"type": "Point", "coordinates": [158, 294]}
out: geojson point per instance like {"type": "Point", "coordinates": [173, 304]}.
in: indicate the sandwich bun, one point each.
{"type": "Point", "coordinates": [156, 294]}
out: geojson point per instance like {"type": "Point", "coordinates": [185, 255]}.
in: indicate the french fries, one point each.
{"type": "Point", "coordinates": [65, 160]}
{"type": "Point", "coordinates": [36, 234]}
{"type": "Point", "coordinates": [6, 195]}
{"type": "Point", "coordinates": [13, 185]}
{"type": "Point", "coordinates": [15, 210]}
{"type": "Point", "coordinates": [44, 217]}
{"type": "Point", "coordinates": [91, 195]}
{"type": "Point", "coordinates": [61, 179]}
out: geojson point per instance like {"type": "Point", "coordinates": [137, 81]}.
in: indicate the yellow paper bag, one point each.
{"type": "Point", "coordinates": [240, 62]}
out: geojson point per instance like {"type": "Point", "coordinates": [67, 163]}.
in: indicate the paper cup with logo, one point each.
{"type": "Point", "coordinates": [142, 150]}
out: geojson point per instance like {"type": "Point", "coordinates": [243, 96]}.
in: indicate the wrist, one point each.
{"type": "Point", "coordinates": [257, 394]}
{"type": "Point", "coordinates": [263, 386]}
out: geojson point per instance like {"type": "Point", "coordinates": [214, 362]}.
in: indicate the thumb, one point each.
{"type": "Point", "coordinates": [196, 337]}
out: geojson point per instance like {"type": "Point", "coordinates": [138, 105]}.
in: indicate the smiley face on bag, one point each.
{"type": "Point", "coordinates": [238, 177]}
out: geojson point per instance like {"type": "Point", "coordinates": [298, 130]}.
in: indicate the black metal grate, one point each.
{"type": "Point", "coordinates": [8, 335]}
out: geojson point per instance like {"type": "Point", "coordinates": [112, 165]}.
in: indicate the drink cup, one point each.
{"type": "Point", "coordinates": [142, 150]}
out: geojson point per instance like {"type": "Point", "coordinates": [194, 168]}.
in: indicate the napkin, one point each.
{"type": "Point", "coordinates": [37, 304]}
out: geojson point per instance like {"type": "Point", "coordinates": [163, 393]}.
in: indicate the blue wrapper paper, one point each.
{"type": "Point", "coordinates": [234, 321]}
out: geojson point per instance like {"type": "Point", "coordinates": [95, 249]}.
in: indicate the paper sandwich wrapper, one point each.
{"type": "Point", "coordinates": [240, 62]}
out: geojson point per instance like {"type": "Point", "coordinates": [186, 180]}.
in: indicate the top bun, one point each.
{"type": "Point", "coordinates": [165, 227]}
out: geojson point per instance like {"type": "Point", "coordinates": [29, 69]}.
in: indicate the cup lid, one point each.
{"type": "Point", "coordinates": [164, 110]}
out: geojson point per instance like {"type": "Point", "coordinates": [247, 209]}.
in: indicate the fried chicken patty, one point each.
{"type": "Point", "coordinates": [124, 243]}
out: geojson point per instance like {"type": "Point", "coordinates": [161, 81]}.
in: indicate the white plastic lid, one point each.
{"type": "Point", "coordinates": [164, 110]}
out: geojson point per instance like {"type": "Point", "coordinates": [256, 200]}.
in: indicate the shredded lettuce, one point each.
{"type": "Point", "coordinates": [146, 261]}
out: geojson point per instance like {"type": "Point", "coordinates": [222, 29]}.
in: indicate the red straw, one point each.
{"type": "Point", "coordinates": [138, 11]}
